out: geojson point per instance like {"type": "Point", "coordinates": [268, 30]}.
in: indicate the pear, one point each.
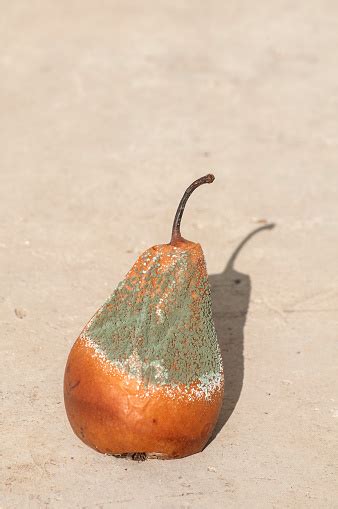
{"type": "Point", "coordinates": [145, 377]}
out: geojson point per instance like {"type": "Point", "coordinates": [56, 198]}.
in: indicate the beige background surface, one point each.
{"type": "Point", "coordinates": [109, 109]}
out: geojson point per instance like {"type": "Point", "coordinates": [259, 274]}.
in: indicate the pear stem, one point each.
{"type": "Point", "coordinates": [176, 232]}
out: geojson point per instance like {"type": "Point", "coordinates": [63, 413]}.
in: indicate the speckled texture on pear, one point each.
{"type": "Point", "coordinates": [157, 325]}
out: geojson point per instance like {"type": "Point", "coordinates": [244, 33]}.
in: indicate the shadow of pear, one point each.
{"type": "Point", "coordinates": [230, 292]}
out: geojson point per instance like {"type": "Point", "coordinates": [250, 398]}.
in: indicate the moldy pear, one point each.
{"type": "Point", "coordinates": [145, 377]}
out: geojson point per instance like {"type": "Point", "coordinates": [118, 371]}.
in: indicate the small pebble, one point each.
{"type": "Point", "coordinates": [259, 220]}
{"type": "Point", "coordinates": [211, 469]}
{"type": "Point", "coordinates": [20, 313]}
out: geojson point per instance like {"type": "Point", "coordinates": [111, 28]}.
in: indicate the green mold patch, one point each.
{"type": "Point", "coordinates": [157, 325]}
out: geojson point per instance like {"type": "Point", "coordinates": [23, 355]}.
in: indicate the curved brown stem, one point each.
{"type": "Point", "coordinates": [176, 232]}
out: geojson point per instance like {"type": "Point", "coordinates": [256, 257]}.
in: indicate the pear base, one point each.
{"type": "Point", "coordinates": [142, 456]}
{"type": "Point", "coordinates": [116, 415]}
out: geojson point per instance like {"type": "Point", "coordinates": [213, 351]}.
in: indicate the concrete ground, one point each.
{"type": "Point", "coordinates": [108, 111]}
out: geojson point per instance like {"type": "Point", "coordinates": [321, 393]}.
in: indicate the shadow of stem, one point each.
{"type": "Point", "coordinates": [230, 293]}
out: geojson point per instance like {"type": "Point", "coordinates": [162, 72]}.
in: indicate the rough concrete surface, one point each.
{"type": "Point", "coordinates": [109, 109]}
